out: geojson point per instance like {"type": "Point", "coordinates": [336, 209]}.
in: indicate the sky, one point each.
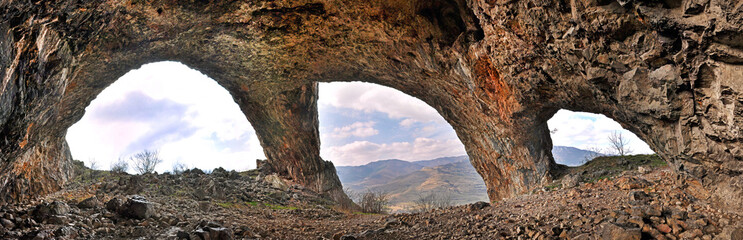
{"type": "Point", "coordinates": [191, 120]}
{"type": "Point", "coordinates": [590, 131]}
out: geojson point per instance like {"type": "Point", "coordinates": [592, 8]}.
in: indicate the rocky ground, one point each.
{"type": "Point", "coordinates": [648, 203]}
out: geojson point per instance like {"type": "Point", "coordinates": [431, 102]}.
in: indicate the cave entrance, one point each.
{"type": "Point", "coordinates": [187, 117]}
{"type": "Point", "coordinates": [578, 137]}
{"type": "Point", "coordinates": [382, 140]}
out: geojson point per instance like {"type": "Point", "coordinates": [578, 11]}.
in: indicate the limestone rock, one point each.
{"type": "Point", "coordinates": [137, 207]}
{"type": "Point", "coordinates": [276, 181]}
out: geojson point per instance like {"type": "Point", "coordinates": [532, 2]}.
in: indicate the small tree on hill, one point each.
{"type": "Point", "coordinates": [145, 161]}
{"type": "Point", "coordinates": [120, 165]}
{"type": "Point", "coordinates": [179, 168]}
{"type": "Point", "coordinates": [374, 202]}
{"type": "Point", "coordinates": [619, 144]}
{"type": "Point", "coordinates": [433, 200]}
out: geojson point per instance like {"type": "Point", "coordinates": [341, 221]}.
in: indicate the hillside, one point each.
{"type": "Point", "coordinates": [458, 180]}
{"type": "Point", "coordinates": [571, 156]}
{"type": "Point", "coordinates": [361, 178]}
{"type": "Point", "coordinates": [357, 177]}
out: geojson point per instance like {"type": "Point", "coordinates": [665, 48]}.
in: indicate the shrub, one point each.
{"type": "Point", "coordinates": [374, 202]}
{"type": "Point", "coordinates": [179, 168]}
{"type": "Point", "coordinates": [145, 161]}
{"type": "Point", "coordinates": [120, 166]}
{"type": "Point", "coordinates": [426, 202]}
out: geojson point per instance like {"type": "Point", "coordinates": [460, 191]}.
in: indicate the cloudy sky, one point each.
{"type": "Point", "coordinates": [192, 120]}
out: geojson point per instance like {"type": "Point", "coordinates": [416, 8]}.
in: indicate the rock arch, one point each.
{"type": "Point", "coordinates": [495, 70]}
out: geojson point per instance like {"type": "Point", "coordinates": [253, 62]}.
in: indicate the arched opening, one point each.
{"type": "Point", "coordinates": [580, 136]}
{"type": "Point", "coordinates": [595, 146]}
{"type": "Point", "coordinates": [382, 140]}
{"type": "Point", "coordinates": [165, 106]}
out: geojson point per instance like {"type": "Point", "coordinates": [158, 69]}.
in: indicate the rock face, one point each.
{"type": "Point", "coordinates": [669, 71]}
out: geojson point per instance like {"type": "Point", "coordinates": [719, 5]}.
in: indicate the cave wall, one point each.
{"type": "Point", "coordinates": [669, 71]}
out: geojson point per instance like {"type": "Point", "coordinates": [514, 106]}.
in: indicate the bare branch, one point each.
{"type": "Point", "coordinates": [145, 161]}
{"type": "Point", "coordinates": [619, 144]}
{"type": "Point", "coordinates": [120, 165]}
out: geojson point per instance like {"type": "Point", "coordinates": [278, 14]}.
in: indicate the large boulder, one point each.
{"type": "Point", "coordinates": [610, 231]}
{"type": "Point", "coordinates": [135, 206]}
{"type": "Point", "coordinates": [48, 211]}
{"type": "Point", "coordinates": [91, 202]}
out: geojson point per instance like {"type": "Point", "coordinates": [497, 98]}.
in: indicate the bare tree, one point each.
{"type": "Point", "coordinates": [374, 201]}
{"type": "Point", "coordinates": [120, 165]}
{"type": "Point", "coordinates": [354, 196]}
{"type": "Point", "coordinates": [93, 164]}
{"type": "Point", "coordinates": [444, 200]}
{"type": "Point", "coordinates": [619, 143]}
{"type": "Point", "coordinates": [179, 167]}
{"type": "Point", "coordinates": [433, 200]}
{"type": "Point", "coordinates": [145, 161]}
{"type": "Point", "coordinates": [93, 167]}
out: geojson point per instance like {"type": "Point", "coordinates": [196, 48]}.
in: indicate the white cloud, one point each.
{"type": "Point", "coordinates": [408, 122]}
{"type": "Point", "coordinates": [586, 130]}
{"type": "Point", "coordinates": [357, 129]}
{"type": "Point", "coordinates": [370, 97]}
{"type": "Point", "coordinates": [362, 152]}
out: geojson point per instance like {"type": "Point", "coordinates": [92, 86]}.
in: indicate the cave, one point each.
{"type": "Point", "coordinates": [509, 68]}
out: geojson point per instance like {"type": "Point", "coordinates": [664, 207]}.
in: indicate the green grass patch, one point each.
{"type": "Point", "coordinates": [279, 207]}
{"type": "Point", "coordinates": [268, 205]}
{"type": "Point", "coordinates": [226, 205]}
{"type": "Point", "coordinates": [363, 213]}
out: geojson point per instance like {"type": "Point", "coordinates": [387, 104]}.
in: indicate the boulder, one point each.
{"type": "Point", "coordinates": [611, 231]}
{"type": "Point", "coordinates": [571, 180]}
{"type": "Point", "coordinates": [91, 202]}
{"type": "Point", "coordinates": [731, 233]}
{"type": "Point", "coordinates": [46, 210]}
{"type": "Point", "coordinates": [137, 207]}
{"type": "Point", "coordinates": [208, 230]}
{"type": "Point", "coordinates": [276, 181]}
{"type": "Point", "coordinates": [114, 205]}
{"type": "Point", "coordinates": [478, 205]}
{"type": "Point", "coordinates": [7, 223]}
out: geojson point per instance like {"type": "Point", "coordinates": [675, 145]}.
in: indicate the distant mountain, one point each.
{"type": "Point", "coordinates": [405, 181]}
{"type": "Point", "coordinates": [360, 178]}
{"type": "Point", "coordinates": [572, 156]}
{"type": "Point", "coordinates": [459, 180]}
{"type": "Point", "coordinates": [357, 178]}
{"type": "Point", "coordinates": [442, 161]}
